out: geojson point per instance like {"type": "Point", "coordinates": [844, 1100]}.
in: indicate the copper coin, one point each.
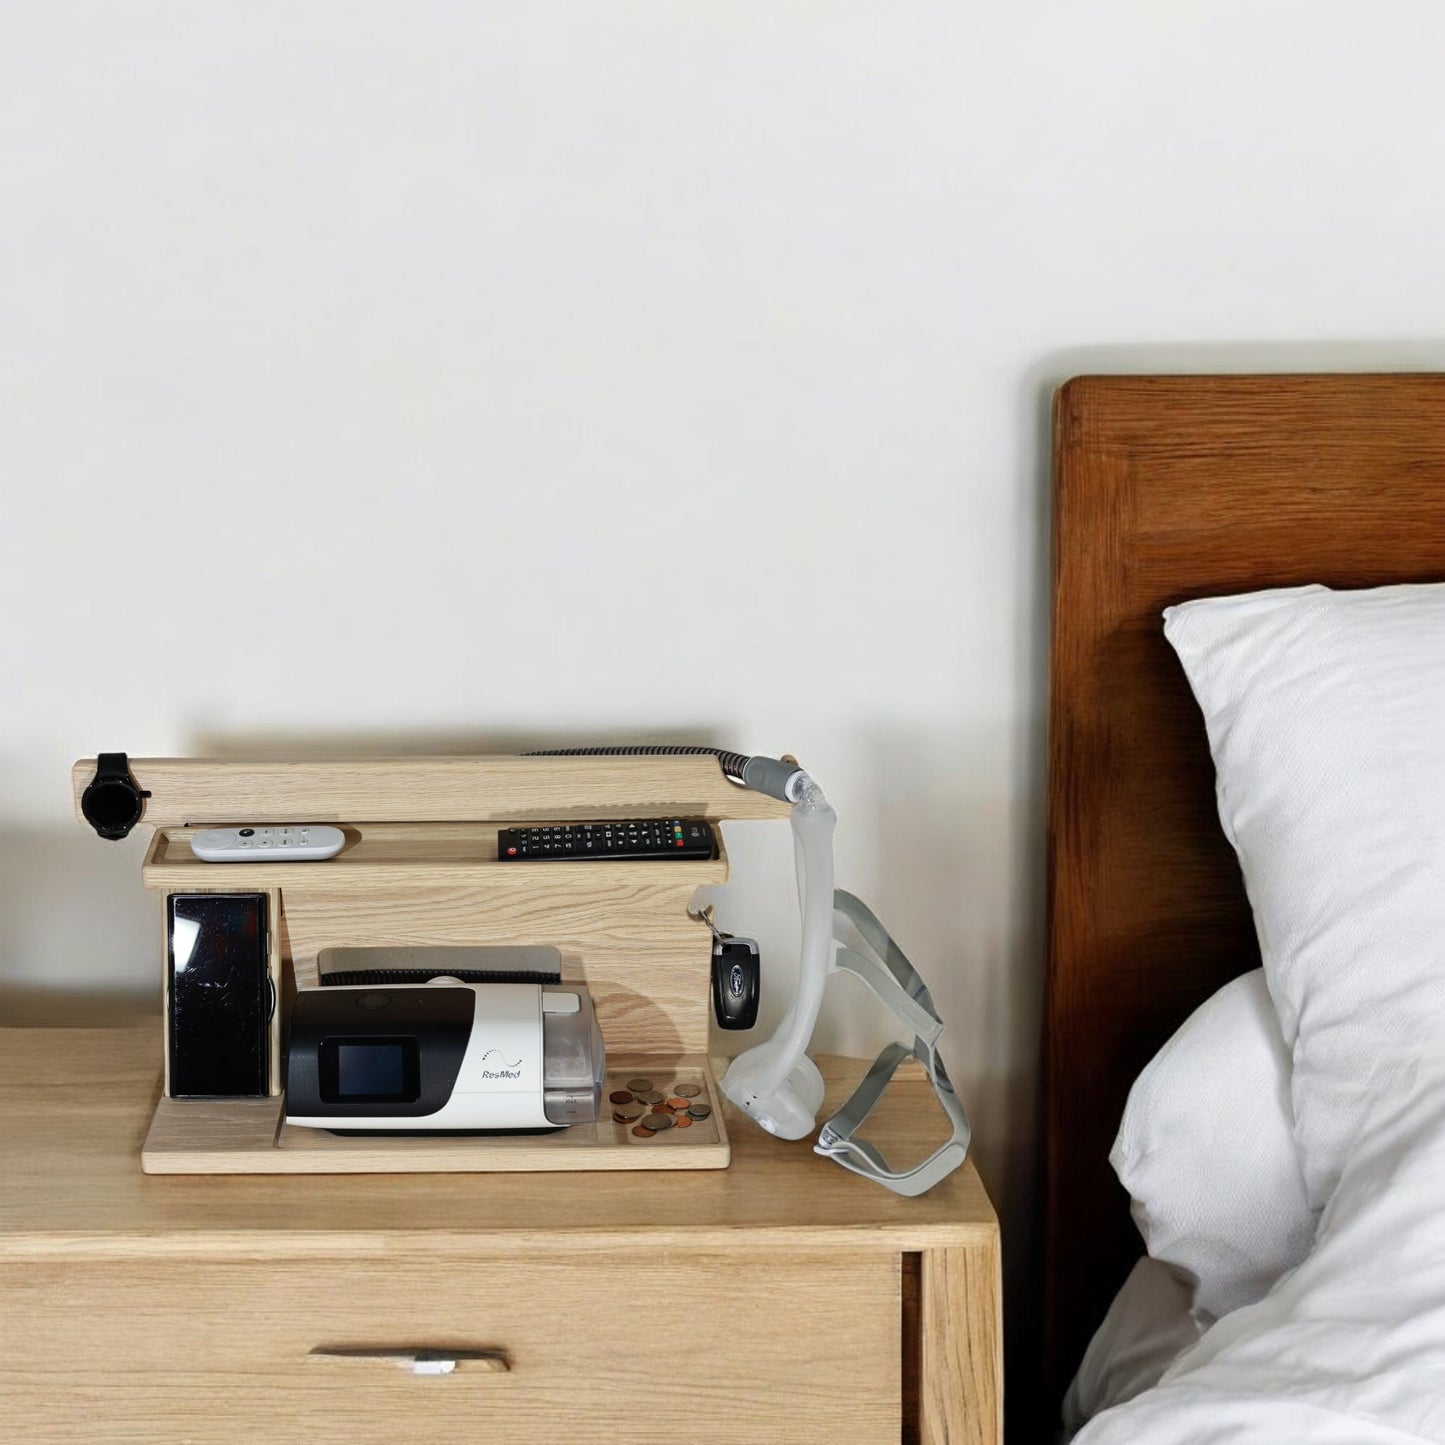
{"type": "Point", "coordinates": [700, 1111]}
{"type": "Point", "coordinates": [688, 1091]}
{"type": "Point", "coordinates": [658, 1122]}
{"type": "Point", "coordinates": [620, 1096]}
{"type": "Point", "coordinates": [639, 1086]}
{"type": "Point", "coordinates": [649, 1096]}
{"type": "Point", "coordinates": [640, 1132]}
{"type": "Point", "coordinates": [628, 1113]}
{"type": "Point", "coordinates": [675, 1104]}
{"type": "Point", "coordinates": [682, 1122]}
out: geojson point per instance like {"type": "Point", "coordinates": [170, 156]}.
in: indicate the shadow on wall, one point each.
{"type": "Point", "coordinates": [953, 843]}
{"type": "Point", "coordinates": [941, 870]}
{"type": "Point", "coordinates": [67, 895]}
{"type": "Point", "coordinates": [267, 745]}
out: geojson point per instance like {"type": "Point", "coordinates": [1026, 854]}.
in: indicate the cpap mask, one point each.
{"type": "Point", "coordinates": [776, 1083]}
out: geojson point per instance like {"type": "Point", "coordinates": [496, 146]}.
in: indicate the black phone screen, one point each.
{"type": "Point", "coordinates": [219, 1000]}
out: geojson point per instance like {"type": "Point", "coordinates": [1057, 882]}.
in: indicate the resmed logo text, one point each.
{"type": "Point", "coordinates": [513, 1071]}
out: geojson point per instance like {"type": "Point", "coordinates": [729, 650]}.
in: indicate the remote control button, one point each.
{"type": "Point", "coordinates": [247, 832]}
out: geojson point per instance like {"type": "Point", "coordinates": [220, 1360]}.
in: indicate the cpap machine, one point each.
{"type": "Point", "coordinates": [444, 1056]}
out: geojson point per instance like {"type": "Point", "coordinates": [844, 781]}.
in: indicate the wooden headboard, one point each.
{"type": "Point", "coordinates": [1165, 488]}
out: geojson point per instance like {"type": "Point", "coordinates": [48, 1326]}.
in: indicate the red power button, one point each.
{"type": "Point", "coordinates": [511, 852]}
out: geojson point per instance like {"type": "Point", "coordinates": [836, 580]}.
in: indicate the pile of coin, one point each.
{"type": "Point", "coordinates": [650, 1110]}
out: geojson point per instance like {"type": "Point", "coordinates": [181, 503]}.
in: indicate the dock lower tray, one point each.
{"type": "Point", "coordinates": [250, 1136]}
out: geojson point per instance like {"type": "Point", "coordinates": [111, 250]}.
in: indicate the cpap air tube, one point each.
{"type": "Point", "coordinates": [776, 1083]}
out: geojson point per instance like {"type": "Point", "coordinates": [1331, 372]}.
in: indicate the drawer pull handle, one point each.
{"type": "Point", "coordinates": [418, 1362]}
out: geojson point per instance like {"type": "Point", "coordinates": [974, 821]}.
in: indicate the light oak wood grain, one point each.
{"type": "Point", "coordinates": [623, 926]}
{"type": "Point", "coordinates": [961, 1350]}
{"type": "Point", "coordinates": [249, 1136]}
{"type": "Point", "coordinates": [647, 962]}
{"type": "Point", "coordinates": [406, 855]}
{"type": "Point", "coordinates": [680, 1347]}
{"type": "Point", "coordinates": [178, 1307]}
{"type": "Point", "coordinates": [218, 791]}
{"type": "Point", "coordinates": [77, 1104]}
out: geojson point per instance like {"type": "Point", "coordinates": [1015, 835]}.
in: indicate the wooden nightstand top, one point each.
{"type": "Point", "coordinates": [75, 1104]}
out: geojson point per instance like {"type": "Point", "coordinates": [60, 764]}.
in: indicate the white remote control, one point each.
{"type": "Point", "coordinates": [292, 843]}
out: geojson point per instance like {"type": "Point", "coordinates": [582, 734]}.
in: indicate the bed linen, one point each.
{"type": "Point", "coordinates": [1350, 1346]}
{"type": "Point", "coordinates": [1149, 1325]}
{"type": "Point", "coordinates": [1207, 1152]}
{"type": "Point", "coordinates": [1326, 719]}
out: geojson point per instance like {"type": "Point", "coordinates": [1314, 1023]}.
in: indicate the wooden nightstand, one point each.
{"type": "Point", "coordinates": [780, 1299]}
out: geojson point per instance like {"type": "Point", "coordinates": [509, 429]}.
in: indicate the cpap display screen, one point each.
{"type": "Point", "coordinates": [370, 1071]}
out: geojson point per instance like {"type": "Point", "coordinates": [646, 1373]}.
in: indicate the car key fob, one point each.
{"type": "Point", "coordinates": [737, 977]}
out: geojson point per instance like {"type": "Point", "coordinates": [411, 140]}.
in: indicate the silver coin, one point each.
{"type": "Point", "coordinates": [649, 1096]}
{"type": "Point", "coordinates": [639, 1086]}
{"type": "Point", "coordinates": [627, 1113]}
{"type": "Point", "coordinates": [699, 1111]}
{"type": "Point", "coordinates": [657, 1122]}
{"type": "Point", "coordinates": [687, 1091]}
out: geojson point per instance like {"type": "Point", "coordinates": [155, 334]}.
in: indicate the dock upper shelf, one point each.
{"type": "Point", "coordinates": [207, 792]}
{"type": "Point", "coordinates": [379, 855]}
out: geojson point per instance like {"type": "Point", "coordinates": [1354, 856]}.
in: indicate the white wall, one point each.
{"type": "Point", "coordinates": [452, 375]}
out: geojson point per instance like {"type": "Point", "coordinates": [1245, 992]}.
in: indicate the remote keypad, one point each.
{"type": "Point", "coordinates": [281, 843]}
{"type": "Point", "coordinates": [628, 838]}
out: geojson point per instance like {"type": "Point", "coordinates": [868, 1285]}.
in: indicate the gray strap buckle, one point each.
{"type": "Point", "coordinates": [897, 985]}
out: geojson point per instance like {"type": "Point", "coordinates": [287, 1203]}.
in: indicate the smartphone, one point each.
{"type": "Point", "coordinates": [219, 995]}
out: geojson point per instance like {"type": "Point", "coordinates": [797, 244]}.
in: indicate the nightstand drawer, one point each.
{"type": "Point", "coordinates": [586, 1348]}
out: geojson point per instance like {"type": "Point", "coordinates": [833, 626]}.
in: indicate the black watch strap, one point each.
{"type": "Point", "coordinates": [109, 766]}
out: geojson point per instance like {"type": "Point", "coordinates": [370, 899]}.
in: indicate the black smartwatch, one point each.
{"type": "Point", "coordinates": [113, 802]}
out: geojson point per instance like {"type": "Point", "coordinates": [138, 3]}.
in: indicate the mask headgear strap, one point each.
{"type": "Point", "coordinates": [897, 985]}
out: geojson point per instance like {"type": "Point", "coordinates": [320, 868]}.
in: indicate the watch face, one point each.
{"type": "Point", "coordinates": [111, 806]}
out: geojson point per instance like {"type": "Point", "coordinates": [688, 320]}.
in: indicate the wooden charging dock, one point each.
{"type": "Point", "coordinates": [420, 868]}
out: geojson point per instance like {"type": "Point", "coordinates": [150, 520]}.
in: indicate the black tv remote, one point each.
{"type": "Point", "coordinates": [628, 838]}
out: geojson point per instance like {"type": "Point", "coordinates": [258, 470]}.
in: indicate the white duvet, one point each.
{"type": "Point", "coordinates": [1350, 1347]}
{"type": "Point", "coordinates": [1326, 719]}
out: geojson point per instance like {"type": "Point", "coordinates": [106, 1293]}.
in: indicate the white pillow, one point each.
{"type": "Point", "coordinates": [1207, 1152]}
{"type": "Point", "coordinates": [1326, 718]}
